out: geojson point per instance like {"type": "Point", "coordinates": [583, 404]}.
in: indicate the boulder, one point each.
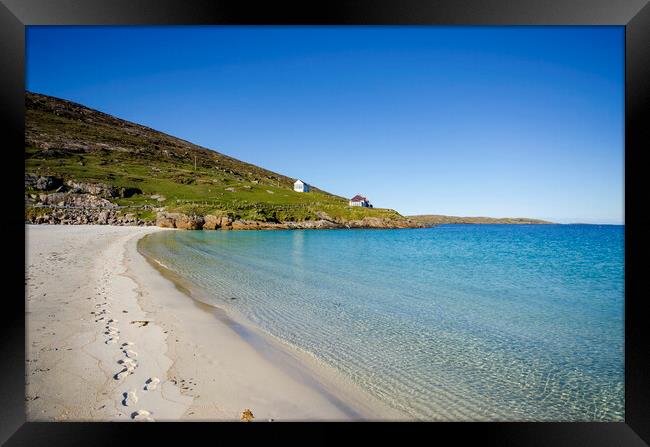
{"type": "Point", "coordinates": [226, 223]}
{"type": "Point", "coordinates": [42, 182]}
{"type": "Point", "coordinates": [75, 200]}
{"type": "Point", "coordinates": [102, 218]}
{"type": "Point", "coordinates": [211, 222]}
{"type": "Point", "coordinates": [185, 222]}
{"type": "Point", "coordinates": [179, 220]}
{"type": "Point", "coordinates": [97, 189]}
{"type": "Point", "coordinates": [245, 225]}
{"type": "Point", "coordinates": [166, 220]}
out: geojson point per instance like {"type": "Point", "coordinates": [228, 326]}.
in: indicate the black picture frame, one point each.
{"type": "Point", "coordinates": [634, 15]}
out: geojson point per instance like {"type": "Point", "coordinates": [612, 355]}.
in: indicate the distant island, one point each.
{"type": "Point", "coordinates": [436, 219]}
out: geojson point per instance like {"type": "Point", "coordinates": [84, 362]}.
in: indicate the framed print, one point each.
{"type": "Point", "coordinates": [389, 212]}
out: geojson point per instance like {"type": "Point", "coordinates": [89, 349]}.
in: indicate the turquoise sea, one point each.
{"type": "Point", "coordinates": [455, 322]}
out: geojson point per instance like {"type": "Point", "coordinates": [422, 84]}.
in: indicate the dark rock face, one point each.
{"type": "Point", "coordinates": [129, 192]}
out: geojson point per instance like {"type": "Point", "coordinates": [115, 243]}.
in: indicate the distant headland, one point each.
{"type": "Point", "coordinates": [436, 219]}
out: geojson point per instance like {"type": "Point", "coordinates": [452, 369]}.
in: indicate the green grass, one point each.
{"type": "Point", "coordinates": [206, 193]}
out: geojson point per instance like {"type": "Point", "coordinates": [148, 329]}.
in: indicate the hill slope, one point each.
{"type": "Point", "coordinates": [77, 151]}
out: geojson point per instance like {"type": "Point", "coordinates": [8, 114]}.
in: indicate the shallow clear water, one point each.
{"type": "Point", "coordinates": [456, 322]}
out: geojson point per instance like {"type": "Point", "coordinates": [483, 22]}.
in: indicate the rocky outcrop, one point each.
{"type": "Point", "coordinates": [321, 224]}
{"type": "Point", "coordinates": [164, 220]}
{"type": "Point", "coordinates": [75, 200]}
{"type": "Point", "coordinates": [226, 223]}
{"type": "Point", "coordinates": [76, 209]}
{"type": "Point", "coordinates": [378, 222]}
{"type": "Point", "coordinates": [246, 225]}
{"type": "Point", "coordinates": [42, 182]}
{"type": "Point", "coordinates": [83, 216]}
{"type": "Point", "coordinates": [101, 189]}
{"type": "Point", "coordinates": [211, 222]}
{"type": "Point", "coordinates": [49, 183]}
{"type": "Point", "coordinates": [179, 220]}
{"type": "Point", "coordinates": [185, 222]}
{"type": "Point", "coordinates": [97, 189]}
{"type": "Point", "coordinates": [215, 222]}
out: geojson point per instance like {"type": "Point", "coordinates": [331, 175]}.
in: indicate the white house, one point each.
{"type": "Point", "coordinates": [360, 201]}
{"type": "Point", "coordinates": [300, 186]}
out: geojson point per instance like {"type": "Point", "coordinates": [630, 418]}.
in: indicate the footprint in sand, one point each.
{"type": "Point", "coordinates": [128, 369]}
{"type": "Point", "coordinates": [130, 353]}
{"type": "Point", "coordinates": [122, 374]}
{"type": "Point", "coordinates": [151, 383]}
{"type": "Point", "coordinates": [129, 366]}
{"type": "Point", "coordinates": [112, 320]}
{"type": "Point", "coordinates": [142, 415]}
{"type": "Point", "coordinates": [127, 361]}
{"type": "Point", "coordinates": [128, 343]}
{"type": "Point", "coordinates": [111, 340]}
{"type": "Point", "coordinates": [129, 398]}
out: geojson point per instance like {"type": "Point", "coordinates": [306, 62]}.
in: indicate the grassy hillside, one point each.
{"type": "Point", "coordinates": [435, 219]}
{"type": "Point", "coordinates": [72, 142]}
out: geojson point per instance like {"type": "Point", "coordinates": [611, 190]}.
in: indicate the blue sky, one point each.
{"type": "Point", "coordinates": [491, 121]}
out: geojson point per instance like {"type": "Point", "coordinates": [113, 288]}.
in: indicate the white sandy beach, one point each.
{"type": "Point", "coordinates": [109, 338]}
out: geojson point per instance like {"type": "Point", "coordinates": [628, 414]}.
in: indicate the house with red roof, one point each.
{"type": "Point", "coordinates": [360, 201]}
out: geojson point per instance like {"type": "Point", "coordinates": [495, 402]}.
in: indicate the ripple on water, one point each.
{"type": "Point", "coordinates": [499, 322]}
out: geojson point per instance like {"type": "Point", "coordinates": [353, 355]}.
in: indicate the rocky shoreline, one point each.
{"type": "Point", "coordinates": [57, 202]}
{"type": "Point", "coordinates": [210, 222]}
{"type": "Point", "coordinates": [111, 216]}
{"type": "Point", "coordinates": [83, 216]}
